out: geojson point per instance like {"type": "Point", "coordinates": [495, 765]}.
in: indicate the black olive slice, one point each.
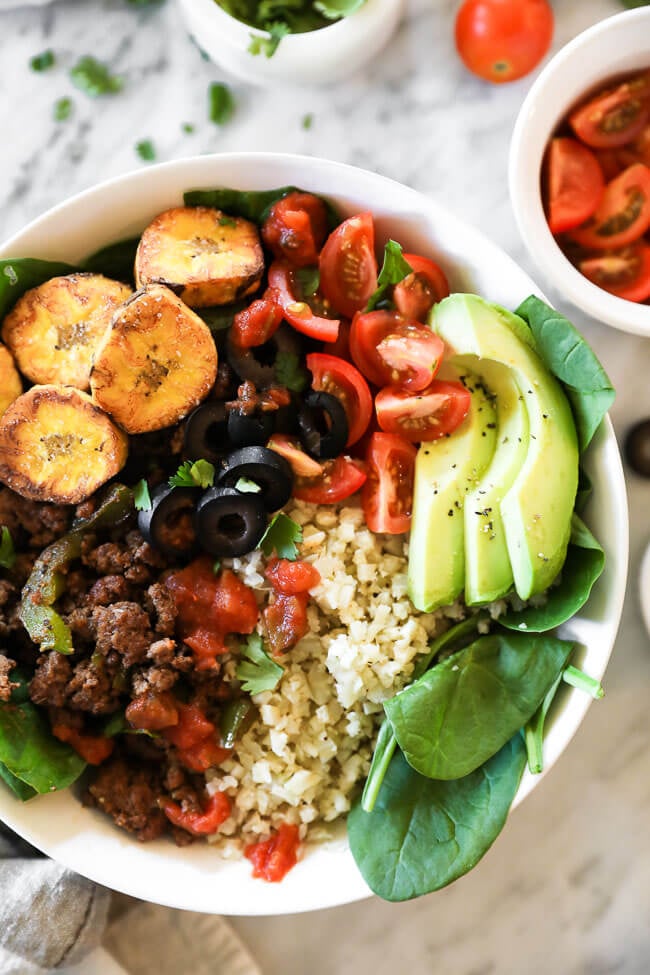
{"type": "Point", "coordinates": [169, 524]}
{"type": "Point", "coordinates": [323, 425]}
{"type": "Point", "coordinates": [249, 429]}
{"type": "Point", "coordinates": [229, 523]}
{"type": "Point", "coordinates": [206, 432]}
{"type": "Point", "coordinates": [258, 363]}
{"type": "Point", "coordinates": [637, 447]}
{"type": "Point", "coordinates": [263, 467]}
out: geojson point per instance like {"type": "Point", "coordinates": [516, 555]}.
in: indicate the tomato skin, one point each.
{"type": "Point", "coordinates": [611, 119]}
{"type": "Point", "coordinates": [92, 748]}
{"type": "Point", "coordinates": [298, 313]}
{"type": "Point", "coordinates": [423, 416]}
{"type": "Point", "coordinates": [366, 332]}
{"type": "Point", "coordinates": [216, 812]}
{"type": "Point", "coordinates": [256, 324]}
{"type": "Point", "coordinates": [412, 356]}
{"type": "Point", "coordinates": [273, 858]}
{"type": "Point", "coordinates": [416, 295]}
{"type": "Point", "coordinates": [340, 479]}
{"type": "Point", "coordinates": [503, 40]}
{"type": "Point", "coordinates": [340, 378]}
{"type": "Point", "coordinates": [623, 214]}
{"type": "Point", "coordinates": [348, 266]}
{"type": "Point", "coordinates": [301, 463]}
{"type": "Point", "coordinates": [285, 619]}
{"type": "Point", "coordinates": [575, 184]}
{"type": "Point", "coordinates": [296, 228]}
{"type": "Point", "coordinates": [291, 578]}
{"type": "Point", "coordinates": [624, 273]}
{"type": "Point", "coordinates": [387, 495]}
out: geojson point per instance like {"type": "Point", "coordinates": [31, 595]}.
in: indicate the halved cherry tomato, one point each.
{"type": "Point", "coordinates": [624, 273]}
{"type": "Point", "coordinates": [92, 748]}
{"type": "Point", "coordinates": [366, 332]}
{"type": "Point", "coordinates": [301, 463]}
{"type": "Point", "coordinates": [348, 266]}
{"type": "Point", "coordinates": [285, 619]}
{"type": "Point", "coordinates": [610, 162]}
{"type": "Point", "coordinates": [637, 151]}
{"type": "Point", "coordinates": [202, 823]}
{"type": "Point", "coordinates": [340, 348]}
{"type": "Point", "coordinates": [273, 858]}
{"type": "Point", "coordinates": [613, 118]}
{"type": "Point", "coordinates": [387, 495]}
{"type": "Point", "coordinates": [298, 313]}
{"type": "Point", "coordinates": [340, 478]}
{"type": "Point", "coordinates": [296, 228]}
{"type": "Point", "coordinates": [502, 40]}
{"type": "Point", "coordinates": [428, 415]}
{"type": "Point", "coordinates": [340, 378]}
{"type": "Point", "coordinates": [290, 578]}
{"type": "Point", "coordinates": [419, 291]}
{"type": "Point", "coordinates": [623, 214]}
{"type": "Point", "coordinates": [255, 324]}
{"type": "Point", "coordinates": [412, 355]}
{"type": "Point", "coordinates": [575, 184]}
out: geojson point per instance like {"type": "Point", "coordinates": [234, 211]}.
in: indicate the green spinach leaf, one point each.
{"type": "Point", "coordinates": [20, 789]}
{"type": "Point", "coordinates": [463, 710]}
{"type": "Point", "coordinates": [570, 358]}
{"type": "Point", "coordinates": [393, 270]}
{"type": "Point", "coordinates": [19, 274]}
{"type": "Point", "coordinates": [30, 753]}
{"type": "Point", "coordinates": [423, 834]}
{"type": "Point", "coordinates": [220, 317]}
{"type": "Point", "coordinates": [585, 489]}
{"type": "Point", "coordinates": [115, 261]}
{"type": "Point", "coordinates": [584, 564]}
{"type": "Point", "coordinates": [251, 204]}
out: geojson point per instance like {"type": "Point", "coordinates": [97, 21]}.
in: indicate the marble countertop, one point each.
{"type": "Point", "coordinates": [566, 888]}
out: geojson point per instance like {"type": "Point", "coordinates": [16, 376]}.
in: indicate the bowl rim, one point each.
{"type": "Point", "coordinates": [66, 831]}
{"type": "Point", "coordinates": [527, 148]}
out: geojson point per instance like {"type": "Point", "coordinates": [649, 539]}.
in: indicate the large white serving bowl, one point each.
{"type": "Point", "coordinates": [196, 878]}
{"type": "Point", "coordinates": [616, 46]}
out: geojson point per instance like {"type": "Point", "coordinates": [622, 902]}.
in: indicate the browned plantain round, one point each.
{"type": "Point", "coordinates": [10, 383]}
{"type": "Point", "coordinates": [156, 363]}
{"type": "Point", "coordinates": [53, 330]}
{"type": "Point", "coordinates": [202, 255]}
{"type": "Point", "coordinates": [57, 445]}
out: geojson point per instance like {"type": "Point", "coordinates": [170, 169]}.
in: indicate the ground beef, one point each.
{"type": "Point", "coordinates": [35, 524]}
{"type": "Point", "coordinates": [80, 621]}
{"type": "Point", "coordinates": [162, 651]}
{"type": "Point", "coordinates": [6, 685]}
{"type": "Point", "coordinates": [129, 793]}
{"type": "Point", "coordinates": [110, 558]}
{"type": "Point", "coordinates": [124, 627]}
{"type": "Point", "coordinates": [160, 604]}
{"type": "Point", "coordinates": [7, 590]}
{"type": "Point", "coordinates": [94, 688]}
{"type": "Point", "coordinates": [156, 679]}
{"type": "Point", "coordinates": [108, 589]}
{"type": "Point", "coordinates": [49, 684]}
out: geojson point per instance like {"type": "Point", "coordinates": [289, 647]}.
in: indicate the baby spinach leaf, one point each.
{"type": "Point", "coordinates": [585, 489]}
{"type": "Point", "coordinates": [251, 204]}
{"type": "Point", "coordinates": [30, 753]}
{"type": "Point", "coordinates": [20, 789]}
{"type": "Point", "coordinates": [115, 261]}
{"type": "Point", "coordinates": [463, 710]}
{"type": "Point", "coordinates": [571, 359]}
{"type": "Point", "coordinates": [423, 834]}
{"type": "Point", "coordinates": [220, 317]}
{"type": "Point", "coordinates": [584, 564]}
{"type": "Point", "coordinates": [19, 274]}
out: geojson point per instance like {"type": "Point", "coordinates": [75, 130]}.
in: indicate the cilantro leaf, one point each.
{"type": "Point", "coordinates": [62, 109]}
{"type": "Point", "coordinates": [334, 9]}
{"type": "Point", "coordinates": [269, 45]}
{"type": "Point", "coordinates": [282, 536]}
{"type": "Point", "coordinates": [246, 486]}
{"type": "Point", "coordinates": [7, 552]}
{"type": "Point", "coordinates": [290, 372]}
{"type": "Point", "coordinates": [257, 671]}
{"type": "Point", "coordinates": [141, 496]}
{"type": "Point", "coordinates": [199, 473]}
{"type": "Point", "coordinates": [221, 103]}
{"type": "Point", "coordinates": [94, 78]}
{"type": "Point", "coordinates": [188, 128]}
{"type": "Point", "coordinates": [146, 150]}
{"type": "Point", "coordinates": [41, 62]}
{"type": "Point", "coordinates": [393, 270]}
{"type": "Point", "coordinates": [308, 120]}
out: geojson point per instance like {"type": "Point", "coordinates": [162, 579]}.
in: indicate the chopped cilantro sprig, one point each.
{"type": "Point", "coordinates": [256, 671]}
{"type": "Point", "coordinates": [198, 473]}
{"type": "Point", "coordinates": [141, 496]}
{"type": "Point", "coordinates": [94, 78]}
{"type": "Point", "coordinates": [282, 536]}
{"type": "Point", "coordinates": [393, 270]}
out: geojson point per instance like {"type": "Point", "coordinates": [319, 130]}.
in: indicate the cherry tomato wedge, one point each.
{"type": "Point", "coordinates": [637, 151]}
{"type": "Point", "coordinates": [428, 415]}
{"type": "Point", "coordinates": [255, 324]}
{"type": "Point", "coordinates": [387, 495]}
{"type": "Point", "coordinates": [366, 332]}
{"type": "Point", "coordinates": [624, 273]}
{"type": "Point", "coordinates": [301, 463]}
{"type": "Point", "coordinates": [412, 355]}
{"type": "Point", "coordinates": [575, 184]}
{"type": "Point", "coordinates": [419, 291]}
{"type": "Point", "coordinates": [296, 228]}
{"type": "Point", "coordinates": [613, 118]}
{"type": "Point", "coordinates": [348, 266]}
{"type": "Point", "coordinates": [340, 378]}
{"type": "Point", "coordinates": [341, 478]}
{"type": "Point", "coordinates": [298, 313]}
{"type": "Point", "coordinates": [202, 823]}
{"type": "Point", "coordinates": [623, 214]}
{"type": "Point", "coordinates": [502, 40]}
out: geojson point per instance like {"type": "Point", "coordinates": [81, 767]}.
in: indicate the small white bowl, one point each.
{"type": "Point", "coordinates": [314, 58]}
{"type": "Point", "coordinates": [615, 46]}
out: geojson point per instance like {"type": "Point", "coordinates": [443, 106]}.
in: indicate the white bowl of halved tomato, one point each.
{"type": "Point", "coordinates": [579, 171]}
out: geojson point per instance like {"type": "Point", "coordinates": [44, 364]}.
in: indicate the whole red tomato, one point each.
{"type": "Point", "coordinates": [502, 40]}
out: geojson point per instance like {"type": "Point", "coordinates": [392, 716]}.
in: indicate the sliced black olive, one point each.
{"type": "Point", "coordinates": [229, 523]}
{"type": "Point", "coordinates": [248, 429]}
{"type": "Point", "coordinates": [206, 432]}
{"type": "Point", "coordinates": [258, 363]}
{"type": "Point", "coordinates": [263, 467]}
{"type": "Point", "coordinates": [323, 425]}
{"type": "Point", "coordinates": [169, 524]}
{"type": "Point", "coordinates": [637, 448]}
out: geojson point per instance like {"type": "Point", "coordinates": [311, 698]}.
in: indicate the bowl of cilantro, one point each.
{"type": "Point", "coordinates": [312, 42]}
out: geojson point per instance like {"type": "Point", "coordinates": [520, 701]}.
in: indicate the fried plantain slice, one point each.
{"type": "Point", "coordinates": [57, 445]}
{"type": "Point", "coordinates": [54, 329]}
{"type": "Point", "coordinates": [156, 363]}
{"type": "Point", "coordinates": [10, 383]}
{"type": "Point", "coordinates": [202, 255]}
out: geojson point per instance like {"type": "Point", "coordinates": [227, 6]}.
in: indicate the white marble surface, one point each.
{"type": "Point", "coordinates": [566, 889]}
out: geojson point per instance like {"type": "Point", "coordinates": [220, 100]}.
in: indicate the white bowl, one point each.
{"type": "Point", "coordinates": [615, 46]}
{"type": "Point", "coordinates": [196, 878]}
{"type": "Point", "coordinates": [314, 58]}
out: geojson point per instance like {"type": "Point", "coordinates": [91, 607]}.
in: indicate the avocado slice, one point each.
{"type": "Point", "coordinates": [537, 508]}
{"type": "Point", "coordinates": [445, 470]}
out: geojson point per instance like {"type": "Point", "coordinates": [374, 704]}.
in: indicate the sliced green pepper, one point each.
{"type": "Point", "coordinates": [234, 720]}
